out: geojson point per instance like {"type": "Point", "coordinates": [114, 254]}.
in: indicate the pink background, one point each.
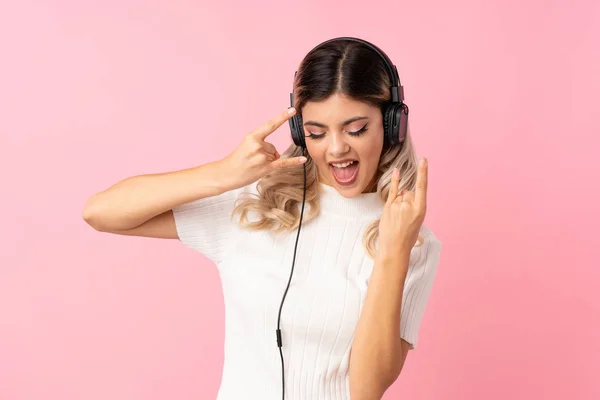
{"type": "Point", "coordinates": [503, 96]}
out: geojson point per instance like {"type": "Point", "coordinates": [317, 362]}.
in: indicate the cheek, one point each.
{"type": "Point", "coordinates": [317, 151]}
{"type": "Point", "coordinates": [371, 152]}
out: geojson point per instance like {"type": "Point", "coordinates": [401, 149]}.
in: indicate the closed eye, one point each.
{"type": "Point", "coordinates": [351, 133]}
{"type": "Point", "coordinates": [315, 136]}
{"type": "Point", "coordinates": [358, 132]}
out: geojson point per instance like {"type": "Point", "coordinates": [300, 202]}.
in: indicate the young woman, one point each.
{"type": "Point", "coordinates": [325, 263]}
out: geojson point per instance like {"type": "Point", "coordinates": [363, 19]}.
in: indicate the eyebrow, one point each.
{"type": "Point", "coordinates": [346, 122]}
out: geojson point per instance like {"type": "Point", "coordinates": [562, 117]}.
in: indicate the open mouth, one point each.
{"type": "Point", "coordinates": [345, 172]}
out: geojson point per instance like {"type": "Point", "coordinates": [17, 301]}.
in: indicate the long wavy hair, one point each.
{"type": "Point", "coordinates": [355, 71]}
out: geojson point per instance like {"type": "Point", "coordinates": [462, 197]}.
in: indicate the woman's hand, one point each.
{"type": "Point", "coordinates": [403, 215]}
{"type": "Point", "coordinates": [255, 157]}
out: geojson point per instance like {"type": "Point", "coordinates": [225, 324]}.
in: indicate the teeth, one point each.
{"type": "Point", "coordinates": [343, 165]}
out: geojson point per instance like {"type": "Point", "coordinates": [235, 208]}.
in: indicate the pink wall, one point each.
{"type": "Point", "coordinates": [502, 98]}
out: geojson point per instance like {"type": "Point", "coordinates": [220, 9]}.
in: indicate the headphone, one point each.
{"type": "Point", "coordinates": [395, 115]}
{"type": "Point", "coordinates": [395, 119]}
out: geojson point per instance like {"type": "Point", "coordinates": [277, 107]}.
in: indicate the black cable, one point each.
{"type": "Point", "coordinates": [278, 332]}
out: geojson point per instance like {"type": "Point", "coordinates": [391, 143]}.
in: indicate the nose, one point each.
{"type": "Point", "coordinates": [338, 146]}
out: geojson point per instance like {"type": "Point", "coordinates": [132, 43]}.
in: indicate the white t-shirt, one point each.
{"type": "Point", "coordinates": [323, 303]}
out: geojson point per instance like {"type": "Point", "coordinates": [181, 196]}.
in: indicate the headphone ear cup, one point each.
{"type": "Point", "coordinates": [402, 122]}
{"type": "Point", "coordinates": [389, 131]}
{"type": "Point", "coordinates": [296, 130]}
{"type": "Point", "coordinates": [395, 123]}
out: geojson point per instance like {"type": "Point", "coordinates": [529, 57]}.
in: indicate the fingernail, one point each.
{"type": "Point", "coordinates": [291, 110]}
{"type": "Point", "coordinates": [302, 160]}
{"type": "Point", "coordinates": [423, 162]}
{"type": "Point", "coordinates": [396, 173]}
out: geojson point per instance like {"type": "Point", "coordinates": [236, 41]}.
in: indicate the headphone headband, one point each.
{"type": "Point", "coordinates": [396, 89]}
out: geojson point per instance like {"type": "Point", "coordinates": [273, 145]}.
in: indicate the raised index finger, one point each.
{"type": "Point", "coordinates": [421, 189]}
{"type": "Point", "coordinates": [270, 126]}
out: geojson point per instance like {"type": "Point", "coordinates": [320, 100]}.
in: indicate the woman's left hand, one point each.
{"type": "Point", "coordinates": [403, 215]}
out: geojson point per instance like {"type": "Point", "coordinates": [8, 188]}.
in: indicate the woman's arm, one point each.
{"type": "Point", "coordinates": [141, 205]}
{"type": "Point", "coordinates": [378, 351]}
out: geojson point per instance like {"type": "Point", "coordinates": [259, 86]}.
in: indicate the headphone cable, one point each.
{"type": "Point", "coordinates": [278, 332]}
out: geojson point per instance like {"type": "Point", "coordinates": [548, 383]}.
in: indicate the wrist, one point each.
{"type": "Point", "coordinates": [394, 252]}
{"type": "Point", "coordinates": [393, 258]}
{"type": "Point", "coordinates": [214, 178]}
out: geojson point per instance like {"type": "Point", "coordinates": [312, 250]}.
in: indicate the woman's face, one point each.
{"type": "Point", "coordinates": [344, 137]}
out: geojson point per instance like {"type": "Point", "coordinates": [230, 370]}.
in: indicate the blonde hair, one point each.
{"type": "Point", "coordinates": [339, 67]}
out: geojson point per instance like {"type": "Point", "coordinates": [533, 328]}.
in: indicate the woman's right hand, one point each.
{"type": "Point", "coordinates": [255, 157]}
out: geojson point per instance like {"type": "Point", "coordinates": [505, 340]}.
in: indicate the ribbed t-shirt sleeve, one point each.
{"type": "Point", "coordinates": [417, 287]}
{"type": "Point", "coordinates": [205, 225]}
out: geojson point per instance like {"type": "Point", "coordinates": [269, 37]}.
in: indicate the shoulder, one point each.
{"type": "Point", "coordinates": [421, 275]}
{"type": "Point", "coordinates": [206, 224]}
{"type": "Point", "coordinates": [427, 236]}
{"type": "Point", "coordinates": [425, 254]}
